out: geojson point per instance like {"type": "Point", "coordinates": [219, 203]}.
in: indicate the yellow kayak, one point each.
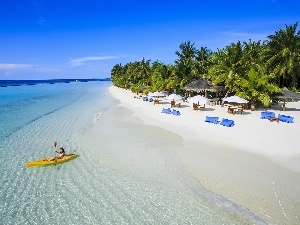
{"type": "Point", "coordinates": [51, 161]}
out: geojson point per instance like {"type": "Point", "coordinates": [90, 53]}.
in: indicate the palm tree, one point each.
{"type": "Point", "coordinates": [227, 67]}
{"type": "Point", "coordinates": [284, 52]}
{"type": "Point", "coordinates": [172, 80]}
{"type": "Point", "coordinates": [132, 72]}
{"type": "Point", "coordinates": [186, 62]}
{"type": "Point", "coordinates": [252, 55]}
{"type": "Point", "coordinates": [145, 70]}
{"type": "Point", "coordinates": [159, 73]}
{"type": "Point", "coordinates": [202, 60]}
{"type": "Point", "coordinates": [256, 87]}
{"type": "Point", "coordinates": [117, 75]}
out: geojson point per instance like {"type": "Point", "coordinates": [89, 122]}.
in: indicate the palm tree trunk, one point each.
{"type": "Point", "coordinates": [294, 80]}
{"type": "Point", "coordinates": [227, 92]}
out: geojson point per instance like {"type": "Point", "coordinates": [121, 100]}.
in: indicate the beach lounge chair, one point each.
{"type": "Point", "coordinates": [287, 119]}
{"type": "Point", "coordinates": [227, 122]}
{"type": "Point", "coordinates": [176, 113]}
{"type": "Point", "coordinates": [167, 111]}
{"type": "Point", "coordinates": [145, 98]}
{"type": "Point", "coordinates": [267, 115]}
{"type": "Point", "coordinates": [210, 119]}
{"type": "Point", "coordinates": [150, 100]}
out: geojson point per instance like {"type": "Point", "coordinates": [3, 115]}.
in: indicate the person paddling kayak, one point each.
{"type": "Point", "coordinates": [61, 152]}
{"type": "Point", "coordinates": [61, 158]}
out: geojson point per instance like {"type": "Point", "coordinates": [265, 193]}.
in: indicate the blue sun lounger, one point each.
{"type": "Point", "coordinates": [150, 100]}
{"type": "Point", "coordinates": [145, 98]}
{"type": "Point", "coordinates": [167, 111]}
{"type": "Point", "coordinates": [176, 113]}
{"type": "Point", "coordinates": [287, 119]}
{"type": "Point", "coordinates": [211, 119]}
{"type": "Point", "coordinates": [267, 115]}
{"type": "Point", "coordinates": [227, 123]}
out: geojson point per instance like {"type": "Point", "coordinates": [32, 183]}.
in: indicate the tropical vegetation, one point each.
{"type": "Point", "coordinates": [253, 70]}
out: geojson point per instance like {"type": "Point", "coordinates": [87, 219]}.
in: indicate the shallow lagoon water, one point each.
{"type": "Point", "coordinates": [126, 172]}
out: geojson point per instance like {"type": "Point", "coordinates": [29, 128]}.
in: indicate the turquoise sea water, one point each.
{"type": "Point", "coordinates": [126, 172]}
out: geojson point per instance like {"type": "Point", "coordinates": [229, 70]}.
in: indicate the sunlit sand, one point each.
{"type": "Point", "coordinates": [255, 163]}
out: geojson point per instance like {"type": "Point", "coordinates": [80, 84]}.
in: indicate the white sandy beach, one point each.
{"type": "Point", "coordinates": [256, 163]}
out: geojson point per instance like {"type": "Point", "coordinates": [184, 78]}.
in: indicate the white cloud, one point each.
{"type": "Point", "coordinates": [80, 61]}
{"type": "Point", "coordinates": [9, 68]}
{"type": "Point", "coordinates": [12, 66]}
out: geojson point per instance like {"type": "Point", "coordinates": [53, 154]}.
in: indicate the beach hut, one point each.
{"type": "Point", "coordinates": [202, 84]}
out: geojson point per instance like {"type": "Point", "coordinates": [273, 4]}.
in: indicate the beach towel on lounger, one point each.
{"type": "Point", "coordinates": [167, 111]}
{"type": "Point", "coordinates": [267, 115]}
{"type": "Point", "coordinates": [287, 119]}
{"type": "Point", "coordinates": [227, 122]}
{"type": "Point", "coordinates": [176, 113]}
{"type": "Point", "coordinates": [211, 119]}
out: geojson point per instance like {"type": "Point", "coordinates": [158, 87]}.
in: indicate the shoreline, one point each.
{"type": "Point", "coordinates": [255, 163]}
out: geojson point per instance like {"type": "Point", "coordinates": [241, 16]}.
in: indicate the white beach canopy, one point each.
{"type": "Point", "coordinates": [156, 94]}
{"type": "Point", "coordinates": [235, 99]}
{"type": "Point", "coordinates": [173, 97]}
{"type": "Point", "coordinates": [198, 99]}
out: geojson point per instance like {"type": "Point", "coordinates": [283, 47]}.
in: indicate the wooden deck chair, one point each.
{"type": "Point", "coordinates": [239, 110]}
{"type": "Point", "coordinates": [172, 104]}
{"type": "Point", "coordinates": [202, 108]}
{"type": "Point", "coordinates": [195, 106]}
{"type": "Point", "coordinates": [228, 109]}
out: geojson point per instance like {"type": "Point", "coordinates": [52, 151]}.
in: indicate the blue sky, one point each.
{"type": "Point", "coordinates": [49, 39]}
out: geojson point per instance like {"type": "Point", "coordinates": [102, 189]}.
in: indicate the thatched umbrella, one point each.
{"type": "Point", "coordinates": [142, 87]}
{"type": "Point", "coordinates": [288, 95]}
{"type": "Point", "coordinates": [202, 85]}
